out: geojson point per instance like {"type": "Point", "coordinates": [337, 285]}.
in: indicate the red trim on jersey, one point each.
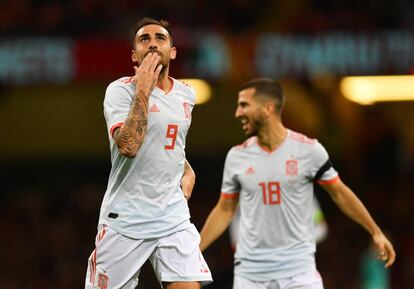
{"type": "Point", "coordinates": [301, 138]}
{"type": "Point", "coordinates": [126, 79]}
{"type": "Point", "coordinates": [115, 126]}
{"type": "Point", "coordinates": [100, 236]}
{"type": "Point", "coordinates": [250, 141]}
{"type": "Point", "coordinates": [185, 83]}
{"type": "Point", "coordinates": [93, 267]}
{"type": "Point", "coordinates": [229, 195]}
{"type": "Point", "coordinates": [327, 182]}
{"type": "Point", "coordinates": [102, 233]}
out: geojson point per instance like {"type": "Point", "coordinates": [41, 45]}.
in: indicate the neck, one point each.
{"type": "Point", "coordinates": [164, 81]}
{"type": "Point", "coordinates": [272, 135]}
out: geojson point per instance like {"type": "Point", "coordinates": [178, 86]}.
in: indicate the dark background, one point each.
{"type": "Point", "coordinates": [54, 154]}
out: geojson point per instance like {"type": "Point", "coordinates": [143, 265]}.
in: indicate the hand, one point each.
{"type": "Point", "coordinates": [146, 75]}
{"type": "Point", "coordinates": [385, 249]}
{"type": "Point", "coordinates": [187, 185]}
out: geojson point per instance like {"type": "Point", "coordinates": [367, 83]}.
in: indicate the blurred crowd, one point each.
{"type": "Point", "coordinates": [110, 17]}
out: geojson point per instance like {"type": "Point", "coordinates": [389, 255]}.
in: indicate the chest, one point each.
{"type": "Point", "coordinates": [169, 114]}
{"type": "Point", "coordinates": [269, 175]}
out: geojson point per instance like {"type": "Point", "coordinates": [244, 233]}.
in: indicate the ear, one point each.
{"type": "Point", "coordinates": [173, 53]}
{"type": "Point", "coordinates": [269, 108]}
{"type": "Point", "coordinates": [134, 56]}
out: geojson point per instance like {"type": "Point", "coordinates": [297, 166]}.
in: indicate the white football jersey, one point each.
{"type": "Point", "coordinates": [275, 189]}
{"type": "Point", "coordinates": [144, 197]}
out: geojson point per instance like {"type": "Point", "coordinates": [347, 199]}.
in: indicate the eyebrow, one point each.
{"type": "Point", "coordinates": [156, 34]}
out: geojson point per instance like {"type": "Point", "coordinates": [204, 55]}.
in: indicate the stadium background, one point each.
{"type": "Point", "coordinates": [57, 57]}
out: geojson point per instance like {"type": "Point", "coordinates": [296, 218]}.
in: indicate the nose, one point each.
{"type": "Point", "coordinates": [153, 45]}
{"type": "Point", "coordinates": [238, 112]}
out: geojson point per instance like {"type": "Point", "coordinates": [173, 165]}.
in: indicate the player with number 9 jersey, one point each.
{"type": "Point", "coordinates": [144, 214]}
{"type": "Point", "coordinates": [144, 198]}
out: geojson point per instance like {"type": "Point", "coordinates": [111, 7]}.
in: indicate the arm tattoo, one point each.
{"type": "Point", "coordinates": [132, 133]}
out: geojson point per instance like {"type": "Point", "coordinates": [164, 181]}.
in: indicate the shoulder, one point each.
{"type": "Point", "coordinates": [306, 145]}
{"type": "Point", "coordinates": [123, 82]}
{"type": "Point", "coordinates": [239, 154]}
{"type": "Point", "coordinates": [185, 88]}
{"type": "Point", "coordinates": [301, 139]}
{"type": "Point", "coordinates": [119, 87]}
{"type": "Point", "coordinates": [182, 84]}
{"type": "Point", "coordinates": [248, 143]}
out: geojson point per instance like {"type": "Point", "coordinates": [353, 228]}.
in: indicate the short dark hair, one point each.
{"type": "Point", "coordinates": [266, 87]}
{"type": "Point", "coordinates": [148, 21]}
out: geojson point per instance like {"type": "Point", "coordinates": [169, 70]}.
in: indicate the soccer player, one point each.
{"type": "Point", "coordinates": [144, 213]}
{"type": "Point", "coordinates": [271, 176]}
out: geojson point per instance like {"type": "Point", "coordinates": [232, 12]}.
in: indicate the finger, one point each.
{"type": "Point", "coordinates": [136, 69]}
{"type": "Point", "coordinates": [157, 71]}
{"type": "Point", "coordinates": [380, 249]}
{"type": "Point", "coordinates": [391, 257]}
{"type": "Point", "coordinates": [389, 262]}
{"type": "Point", "coordinates": [146, 62]}
{"type": "Point", "coordinates": [154, 63]}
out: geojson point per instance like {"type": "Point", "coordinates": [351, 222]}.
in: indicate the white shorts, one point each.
{"type": "Point", "coordinates": [308, 280]}
{"type": "Point", "coordinates": [117, 260]}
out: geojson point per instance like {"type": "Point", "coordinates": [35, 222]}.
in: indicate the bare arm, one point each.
{"type": "Point", "coordinates": [130, 136]}
{"type": "Point", "coordinates": [188, 180]}
{"type": "Point", "coordinates": [218, 221]}
{"type": "Point", "coordinates": [349, 203]}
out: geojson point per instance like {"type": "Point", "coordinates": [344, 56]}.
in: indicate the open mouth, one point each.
{"type": "Point", "coordinates": [244, 122]}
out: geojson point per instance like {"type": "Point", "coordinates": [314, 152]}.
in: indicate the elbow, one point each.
{"type": "Point", "coordinates": [128, 147]}
{"type": "Point", "coordinates": [128, 152]}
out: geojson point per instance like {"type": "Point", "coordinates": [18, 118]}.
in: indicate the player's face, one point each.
{"type": "Point", "coordinates": [249, 112]}
{"type": "Point", "coordinates": [153, 38]}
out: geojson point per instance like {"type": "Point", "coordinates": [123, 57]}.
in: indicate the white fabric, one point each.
{"type": "Point", "coordinates": [276, 238]}
{"type": "Point", "coordinates": [307, 280]}
{"type": "Point", "coordinates": [321, 228]}
{"type": "Point", "coordinates": [144, 192]}
{"type": "Point", "coordinates": [117, 259]}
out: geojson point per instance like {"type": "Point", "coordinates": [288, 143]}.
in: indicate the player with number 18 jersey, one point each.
{"type": "Point", "coordinates": [276, 238]}
{"type": "Point", "coordinates": [271, 176]}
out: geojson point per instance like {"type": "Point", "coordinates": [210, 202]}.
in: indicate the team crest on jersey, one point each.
{"type": "Point", "coordinates": [187, 110]}
{"type": "Point", "coordinates": [102, 281]}
{"type": "Point", "coordinates": [291, 167]}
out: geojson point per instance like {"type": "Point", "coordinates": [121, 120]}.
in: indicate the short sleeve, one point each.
{"type": "Point", "coordinates": [230, 187]}
{"type": "Point", "coordinates": [322, 170]}
{"type": "Point", "coordinates": [189, 91]}
{"type": "Point", "coordinates": [117, 104]}
{"type": "Point", "coordinates": [192, 96]}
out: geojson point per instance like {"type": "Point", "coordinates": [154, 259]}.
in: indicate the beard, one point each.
{"type": "Point", "coordinates": [255, 125]}
{"type": "Point", "coordinates": [164, 61]}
